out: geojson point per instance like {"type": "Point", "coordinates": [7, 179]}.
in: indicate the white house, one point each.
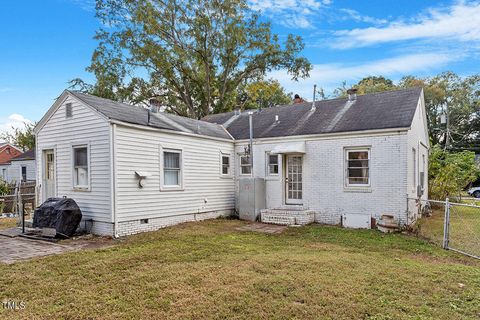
{"type": "Point", "coordinates": [339, 158]}
{"type": "Point", "coordinates": [20, 168]}
{"type": "Point", "coordinates": [133, 170]}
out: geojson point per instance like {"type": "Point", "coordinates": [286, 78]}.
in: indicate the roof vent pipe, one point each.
{"type": "Point", "coordinates": [276, 118]}
{"type": "Point", "coordinates": [314, 92]}
{"type": "Point", "coordinates": [352, 94]}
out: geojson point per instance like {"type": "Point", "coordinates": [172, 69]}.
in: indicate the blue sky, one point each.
{"type": "Point", "coordinates": [46, 43]}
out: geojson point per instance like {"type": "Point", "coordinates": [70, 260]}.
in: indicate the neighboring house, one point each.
{"type": "Point", "coordinates": [132, 170]}
{"type": "Point", "coordinates": [20, 168]}
{"type": "Point", "coordinates": [7, 152]}
{"type": "Point", "coordinates": [23, 167]}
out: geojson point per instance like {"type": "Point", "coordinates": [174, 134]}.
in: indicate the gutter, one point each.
{"type": "Point", "coordinates": [324, 136]}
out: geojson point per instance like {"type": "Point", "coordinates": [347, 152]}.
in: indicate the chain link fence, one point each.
{"type": "Point", "coordinates": [454, 226]}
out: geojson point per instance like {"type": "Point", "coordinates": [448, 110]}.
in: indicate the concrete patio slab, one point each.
{"type": "Point", "coordinates": [18, 249]}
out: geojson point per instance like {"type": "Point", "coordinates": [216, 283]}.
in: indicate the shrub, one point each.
{"type": "Point", "coordinates": [450, 172]}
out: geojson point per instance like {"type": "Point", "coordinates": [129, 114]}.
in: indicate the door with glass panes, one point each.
{"type": "Point", "coordinates": [293, 179]}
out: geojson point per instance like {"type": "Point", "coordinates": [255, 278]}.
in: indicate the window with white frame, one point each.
{"type": "Point", "coordinates": [357, 162]}
{"type": "Point", "coordinates": [225, 164]}
{"type": "Point", "coordinates": [172, 171]}
{"type": "Point", "coordinates": [80, 167]}
{"type": "Point", "coordinates": [272, 164]}
{"type": "Point", "coordinates": [414, 171]}
{"type": "Point", "coordinates": [245, 166]}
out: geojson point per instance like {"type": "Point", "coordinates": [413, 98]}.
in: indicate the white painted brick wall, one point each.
{"type": "Point", "coordinates": [323, 179]}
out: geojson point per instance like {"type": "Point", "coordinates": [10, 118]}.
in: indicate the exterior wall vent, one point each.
{"type": "Point", "coordinates": [68, 110]}
{"type": "Point", "coordinates": [143, 221]}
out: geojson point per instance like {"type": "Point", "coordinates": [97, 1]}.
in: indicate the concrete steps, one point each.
{"type": "Point", "coordinates": [287, 216]}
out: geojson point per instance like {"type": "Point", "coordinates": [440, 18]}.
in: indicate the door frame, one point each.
{"type": "Point", "coordinates": [286, 200]}
{"type": "Point", "coordinates": [46, 151]}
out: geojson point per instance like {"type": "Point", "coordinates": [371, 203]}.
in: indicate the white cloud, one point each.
{"type": "Point", "coordinates": [290, 13]}
{"type": "Point", "coordinates": [14, 120]}
{"type": "Point", "coordinates": [356, 16]}
{"type": "Point", "coordinates": [330, 76]}
{"type": "Point", "coordinates": [87, 5]}
{"type": "Point", "coordinates": [460, 21]}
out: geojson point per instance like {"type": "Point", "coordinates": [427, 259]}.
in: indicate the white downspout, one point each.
{"type": "Point", "coordinates": [113, 180]}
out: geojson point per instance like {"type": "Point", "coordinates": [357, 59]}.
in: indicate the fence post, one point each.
{"type": "Point", "coordinates": [446, 224]}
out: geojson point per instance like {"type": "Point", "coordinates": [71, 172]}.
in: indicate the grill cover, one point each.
{"type": "Point", "coordinates": [62, 214]}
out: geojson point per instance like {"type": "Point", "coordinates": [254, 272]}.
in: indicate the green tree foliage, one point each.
{"type": "Point", "coordinates": [263, 94]}
{"type": "Point", "coordinates": [463, 98]}
{"type": "Point", "coordinates": [449, 172]}
{"type": "Point", "coordinates": [370, 84]}
{"type": "Point", "coordinates": [24, 138]}
{"type": "Point", "coordinates": [4, 189]}
{"type": "Point", "coordinates": [191, 55]}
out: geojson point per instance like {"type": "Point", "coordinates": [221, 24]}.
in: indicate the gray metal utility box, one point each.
{"type": "Point", "coordinates": [251, 198]}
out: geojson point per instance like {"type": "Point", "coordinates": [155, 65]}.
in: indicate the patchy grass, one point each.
{"type": "Point", "coordinates": [210, 270]}
{"type": "Point", "coordinates": [464, 228]}
{"type": "Point", "coordinates": [6, 223]}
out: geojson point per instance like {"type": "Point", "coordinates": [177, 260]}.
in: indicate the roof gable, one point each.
{"type": "Point", "coordinates": [141, 116]}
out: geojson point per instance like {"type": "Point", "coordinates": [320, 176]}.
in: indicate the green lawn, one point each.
{"type": "Point", "coordinates": [210, 270]}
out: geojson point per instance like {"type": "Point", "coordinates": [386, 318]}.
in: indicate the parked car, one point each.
{"type": "Point", "coordinates": [474, 192]}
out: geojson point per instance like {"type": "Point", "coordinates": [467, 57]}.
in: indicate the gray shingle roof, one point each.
{"type": "Point", "coordinates": [386, 110]}
{"type": "Point", "coordinates": [27, 155]}
{"type": "Point", "coordinates": [139, 115]}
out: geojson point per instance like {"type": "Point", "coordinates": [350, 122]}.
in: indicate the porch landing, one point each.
{"type": "Point", "coordinates": [288, 216]}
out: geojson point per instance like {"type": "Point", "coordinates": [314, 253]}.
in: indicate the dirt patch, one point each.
{"type": "Point", "coordinates": [263, 228]}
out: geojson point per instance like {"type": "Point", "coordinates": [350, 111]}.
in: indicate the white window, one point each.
{"type": "Point", "coordinates": [225, 158]}
{"type": "Point", "coordinates": [357, 167]}
{"type": "Point", "coordinates": [172, 168]}
{"type": "Point", "coordinates": [414, 161]}
{"type": "Point", "coordinates": [81, 167]}
{"type": "Point", "coordinates": [245, 166]}
{"type": "Point", "coordinates": [422, 174]}
{"type": "Point", "coordinates": [272, 164]}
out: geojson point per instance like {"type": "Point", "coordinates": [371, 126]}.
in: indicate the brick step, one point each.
{"type": "Point", "coordinates": [300, 217]}
{"type": "Point", "coordinates": [277, 219]}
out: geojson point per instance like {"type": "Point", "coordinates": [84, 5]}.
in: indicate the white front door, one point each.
{"type": "Point", "coordinates": [293, 179]}
{"type": "Point", "coordinates": [49, 189]}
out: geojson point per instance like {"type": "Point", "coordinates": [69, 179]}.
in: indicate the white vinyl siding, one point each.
{"type": "Point", "coordinates": [203, 188]}
{"type": "Point", "coordinates": [13, 171]}
{"type": "Point", "coordinates": [60, 134]}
